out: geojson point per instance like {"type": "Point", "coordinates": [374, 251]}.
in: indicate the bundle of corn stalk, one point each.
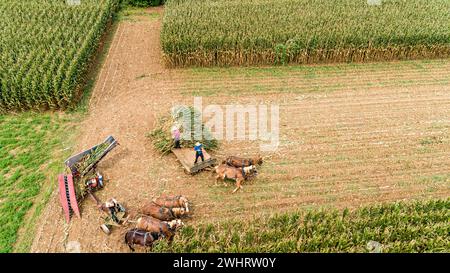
{"type": "Point", "coordinates": [185, 118]}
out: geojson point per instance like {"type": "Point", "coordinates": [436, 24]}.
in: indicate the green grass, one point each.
{"type": "Point", "coordinates": [319, 70]}
{"type": "Point", "coordinates": [420, 226]}
{"type": "Point", "coordinates": [31, 152]}
{"type": "Point", "coordinates": [132, 14]}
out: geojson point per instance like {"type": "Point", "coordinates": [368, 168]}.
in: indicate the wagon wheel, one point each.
{"type": "Point", "coordinates": [105, 229]}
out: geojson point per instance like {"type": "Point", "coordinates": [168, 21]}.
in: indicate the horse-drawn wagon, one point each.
{"type": "Point", "coordinates": [83, 178]}
{"type": "Point", "coordinates": [186, 156]}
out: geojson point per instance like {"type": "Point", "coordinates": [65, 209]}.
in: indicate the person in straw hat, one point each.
{"type": "Point", "coordinates": [198, 152]}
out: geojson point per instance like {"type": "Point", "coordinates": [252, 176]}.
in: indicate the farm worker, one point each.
{"type": "Point", "coordinates": [176, 136]}
{"type": "Point", "coordinates": [112, 206]}
{"type": "Point", "coordinates": [198, 152]}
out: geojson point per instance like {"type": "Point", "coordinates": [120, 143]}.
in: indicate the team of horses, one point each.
{"type": "Point", "coordinates": [237, 169]}
{"type": "Point", "coordinates": [161, 217]}
{"type": "Point", "coordinates": [160, 220]}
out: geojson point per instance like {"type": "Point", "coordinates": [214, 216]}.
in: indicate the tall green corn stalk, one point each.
{"type": "Point", "coordinates": [420, 226]}
{"type": "Point", "coordinates": [46, 47]}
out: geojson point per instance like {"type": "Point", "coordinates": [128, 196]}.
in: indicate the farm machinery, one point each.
{"type": "Point", "coordinates": [84, 180]}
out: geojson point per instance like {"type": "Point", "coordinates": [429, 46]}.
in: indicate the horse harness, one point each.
{"type": "Point", "coordinates": [146, 234]}
{"type": "Point", "coordinates": [161, 210]}
{"type": "Point", "coordinates": [250, 162]}
{"type": "Point", "coordinates": [177, 197]}
{"type": "Point", "coordinates": [145, 238]}
{"type": "Point", "coordinates": [160, 230]}
{"type": "Point", "coordinates": [230, 162]}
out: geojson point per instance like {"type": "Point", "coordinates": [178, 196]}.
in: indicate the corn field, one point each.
{"type": "Point", "coordinates": [420, 226]}
{"type": "Point", "coordinates": [253, 32]}
{"type": "Point", "coordinates": [45, 50]}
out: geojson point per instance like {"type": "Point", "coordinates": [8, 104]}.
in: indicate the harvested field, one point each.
{"type": "Point", "coordinates": [350, 135]}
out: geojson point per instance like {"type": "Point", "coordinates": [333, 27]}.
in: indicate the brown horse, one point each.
{"type": "Point", "coordinates": [162, 213]}
{"type": "Point", "coordinates": [171, 201]}
{"type": "Point", "coordinates": [151, 224]}
{"type": "Point", "coordinates": [240, 162]}
{"type": "Point", "coordinates": [237, 174]}
{"type": "Point", "coordinates": [141, 238]}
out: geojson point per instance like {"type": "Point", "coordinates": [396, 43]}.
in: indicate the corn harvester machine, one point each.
{"type": "Point", "coordinates": [84, 179]}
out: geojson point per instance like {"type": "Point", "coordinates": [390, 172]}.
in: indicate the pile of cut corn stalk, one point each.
{"type": "Point", "coordinates": [182, 116]}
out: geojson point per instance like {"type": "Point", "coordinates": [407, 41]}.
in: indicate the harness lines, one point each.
{"type": "Point", "coordinates": [145, 236]}
{"type": "Point", "coordinates": [161, 210]}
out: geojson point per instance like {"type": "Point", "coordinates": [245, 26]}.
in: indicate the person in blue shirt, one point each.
{"type": "Point", "coordinates": [198, 152]}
